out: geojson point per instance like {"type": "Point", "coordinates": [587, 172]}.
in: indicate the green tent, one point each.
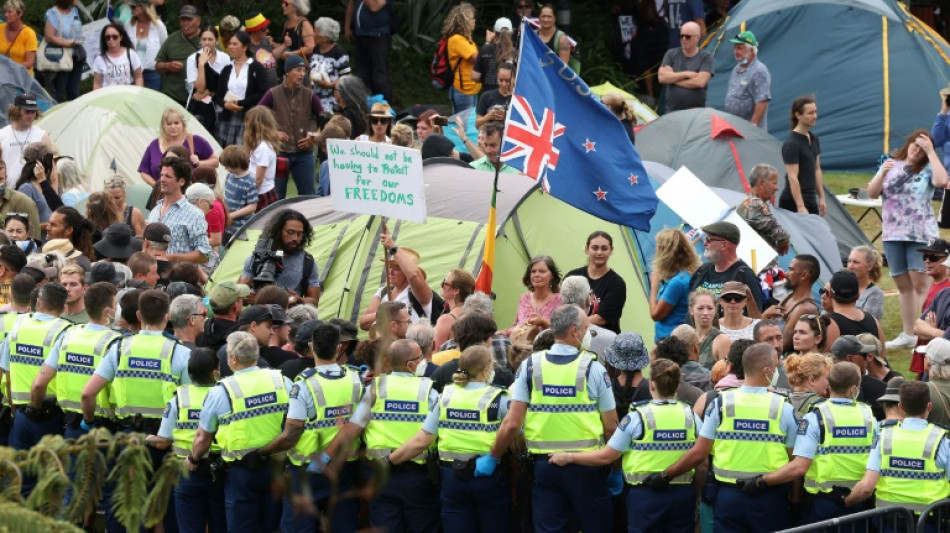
{"type": "Point", "coordinates": [346, 246]}
{"type": "Point", "coordinates": [644, 112]}
{"type": "Point", "coordinates": [107, 131]}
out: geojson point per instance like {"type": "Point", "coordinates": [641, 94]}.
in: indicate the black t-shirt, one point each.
{"type": "Point", "coordinates": [707, 277]}
{"type": "Point", "coordinates": [486, 65]}
{"type": "Point", "coordinates": [489, 99]}
{"type": "Point", "coordinates": [291, 369]}
{"type": "Point", "coordinates": [871, 390]}
{"type": "Point", "coordinates": [855, 327]}
{"type": "Point", "coordinates": [443, 376]}
{"type": "Point", "coordinates": [611, 292]}
{"type": "Point", "coordinates": [275, 356]}
{"type": "Point", "coordinates": [798, 151]}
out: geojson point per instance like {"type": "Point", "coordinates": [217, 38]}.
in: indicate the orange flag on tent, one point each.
{"type": "Point", "coordinates": [483, 283]}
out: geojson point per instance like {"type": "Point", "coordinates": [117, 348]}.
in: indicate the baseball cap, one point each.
{"type": "Point", "coordinates": [746, 37]}
{"type": "Point", "coordinates": [229, 23]}
{"type": "Point", "coordinates": [437, 145]}
{"type": "Point", "coordinates": [26, 102]}
{"type": "Point", "coordinates": [726, 230]}
{"type": "Point", "coordinates": [157, 232]}
{"type": "Point", "coordinates": [224, 294]}
{"type": "Point", "coordinates": [733, 287]}
{"type": "Point", "coordinates": [844, 286]}
{"type": "Point", "coordinates": [937, 350]}
{"type": "Point", "coordinates": [937, 246]}
{"type": "Point", "coordinates": [348, 331]}
{"type": "Point", "coordinates": [846, 345]}
{"type": "Point", "coordinates": [188, 12]}
{"type": "Point", "coordinates": [256, 313]}
{"type": "Point", "coordinates": [503, 23]}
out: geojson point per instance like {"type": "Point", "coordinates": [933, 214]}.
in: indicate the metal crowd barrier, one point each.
{"type": "Point", "coordinates": [895, 519]}
{"type": "Point", "coordinates": [936, 517]}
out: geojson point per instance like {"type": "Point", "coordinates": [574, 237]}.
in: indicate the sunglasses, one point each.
{"type": "Point", "coordinates": [687, 37]}
{"type": "Point", "coordinates": [823, 291]}
{"type": "Point", "coordinates": [379, 120]}
{"type": "Point", "coordinates": [817, 322]}
{"type": "Point", "coordinates": [731, 298]}
{"type": "Point", "coordinates": [934, 258]}
{"type": "Point", "coordinates": [112, 37]}
{"type": "Point", "coordinates": [447, 284]}
{"type": "Point", "coordinates": [708, 240]}
{"type": "Point", "coordinates": [21, 216]}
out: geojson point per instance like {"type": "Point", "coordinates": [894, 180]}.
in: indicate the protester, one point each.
{"type": "Point", "coordinates": [262, 138]}
{"type": "Point", "coordinates": [16, 38]}
{"type": "Point", "coordinates": [674, 262]}
{"type": "Point", "coordinates": [724, 265]}
{"type": "Point", "coordinates": [298, 36]}
{"type": "Point", "coordinates": [350, 96]}
{"type": "Point", "coordinates": [456, 287]}
{"type": "Point", "coordinates": [115, 188]}
{"type": "Point", "coordinates": [115, 65]}
{"type": "Point", "coordinates": [290, 233]}
{"type": "Point", "coordinates": [713, 344]}
{"type": "Point", "coordinates": [750, 84]}
{"type": "Point", "coordinates": [173, 131]}
{"type": "Point", "coordinates": [732, 301]}
{"type": "Point", "coordinates": [935, 258]}
{"type": "Point", "coordinates": [379, 124]}
{"type": "Point", "coordinates": [64, 29]}
{"type": "Point", "coordinates": [803, 272]}
{"type": "Point", "coordinates": [865, 262]}
{"type": "Point", "coordinates": [801, 155]}
{"type": "Point", "coordinates": [202, 74]}
{"type": "Point", "coordinates": [67, 223]}
{"type": "Point", "coordinates": [499, 48]}
{"type": "Point", "coordinates": [462, 53]}
{"type": "Point", "coordinates": [808, 376]}
{"type": "Point", "coordinates": [847, 319]}
{"type": "Point", "coordinates": [20, 133]}
{"type": "Point", "coordinates": [260, 46]}
{"type": "Point", "coordinates": [174, 52]}
{"type": "Point", "coordinates": [238, 91]}
{"type": "Point", "coordinates": [623, 110]}
{"type": "Point", "coordinates": [240, 187]}
{"type": "Point", "coordinates": [368, 25]}
{"type": "Point", "coordinates": [810, 334]}
{"type": "Point", "coordinates": [329, 61]}
{"type": "Point", "coordinates": [148, 34]}
{"type": "Point", "coordinates": [756, 208]}
{"type": "Point", "coordinates": [17, 227]}
{"type": "Point", "coordinates": [408, 283]}
{"type": "Point", "coordinates": [39, 180]}
{"type": "Point", "coordinates": [543, 280]}
{"type": "Point", "coordinates": [686, 70]}
{"type": "Point", "coordinates": [189, 231]}
{"type": "Point", "coordinates": [554, 38]}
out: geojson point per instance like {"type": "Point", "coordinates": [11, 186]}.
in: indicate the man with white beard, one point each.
{"type": "Point", "coordinates": [724, 265]}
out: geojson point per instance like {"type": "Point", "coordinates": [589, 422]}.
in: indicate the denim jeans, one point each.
{"type": "Point", "coordinates": [461, 101]}
{"type": "Point", "coordinates": [302, 167]}
{"type": "Point", "coordinates": [66, 84]}
{"type": "Point", "coordinates": [152, 79]}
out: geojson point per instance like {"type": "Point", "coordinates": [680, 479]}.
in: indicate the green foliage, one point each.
{"type": "Point", "coordinates": [163, 485]}
{"type": "Point", "coordinates": [18, 519]}
{"type": "Point", "coordinates": [89, 474]}
{"type": "Point", "coordinates": [130, 475]}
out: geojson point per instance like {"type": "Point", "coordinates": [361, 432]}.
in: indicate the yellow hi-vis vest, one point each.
{"type": "Point", "coordinates": [910, 476]}
{"type": "Point", "coordinates": [842, 454]}
{"type": "Point", "coordinates": [79, 354]}
{"type": "Point", "coordinates": [561, 417]}
{"type": "Point", "coordinates": [400, 408]}
{"type": "Point", "coordinates": [30, 343]}
{"type": "Point", "coordinates": [189, 399]}
{"type": "Point", "coordinates": [7, 324]}
{"type": "Point", "coordinates": [334, 400]}
{"type": "Point", "coordinates": [669, 431]}
{"type": "Point", "coordinates": [465, 432]}
{"type": "Point", "coordinates": [258, 405]}
{"type": "Point", "coordinates": [144, 381]}
{"type": "Point", "coordinates": [749, 440]}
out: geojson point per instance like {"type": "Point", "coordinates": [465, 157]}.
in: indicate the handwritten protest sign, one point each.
{"type": "Point", "coordinates": [377, 179]}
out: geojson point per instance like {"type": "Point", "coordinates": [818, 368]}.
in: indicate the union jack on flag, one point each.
{"type": "Point", "coordinates": [558, 133]}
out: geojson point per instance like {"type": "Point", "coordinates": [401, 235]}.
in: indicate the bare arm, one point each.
{"type": "Point", "coordinates": [147, 178]}
{"type": "Point", "coordinates": [564, 49]}
{"type": "Point", "coordinates": [193, 256]}
{"type": "Point", "coordinates": [792, 171]}
{"type": "Point", "coordinates": [211, 162]}
{"type": "Point", "coordinates": [139, 81]}
{"type": "Point", "coordinates": [29, 60]}
{"type": "Point", "coordinates": [820, 185]}
{"type": "Point", "coordinates": [925, 330]}
{"type": "Point", "coordinates": [96, 82]}
{"type": "Point", "coordinates": [667, 75]}
{"type": "Point", "coordinates": [659, 309]}
{"type": "Point", "coordinates": [214, 239]}
{"type": "Point", "coordinates": [443, 328]}
{"type": "Point", "coordinates": [159, 443]}
{"type": "Point", "coordinates": [312, 296]}
{"type": "Point", "coordinates": [412, 447]}
{"type": "Point", "coordinates": [375, 5]}
{"type": "Point", "coordinates": [249, 209]}
{"type": "Point", "coordinates": [369, 316]}
{"type": "Point", "coordinates": [695, 80]}
{"type": "Point", "coordinates": [597, 320]}
{"type": "Point", "coordinates": [601, 457]}
{"type": "Point", "coordinates": [690, 459]}
{"type": "Point", "coordinates": [259, 174]}
{"type": "Point", "coordinates": [202, 443]}
{"type": "Point", "coordinates": [864, 488]}
{"type": "Point", "coordinates": [759, 112]}
{"type": "Point", "coordinates": [348, 20]}
{"type": "Point", "coordinates": [88, 400]}
{"type": "Point", "coordinates": [49, 33]}
{"type": "Point", "coordinates": [287, 439]}
{"type": "Point", "coordinates": [721, 346]}
{"type": "Point", "coordinates": [510, 427]}
{"type": "Point", "coordinates": [792, 470]}
{"type": "Point", "coordinates": [38, 389]}
{"type": "Point", "coordinates": [138, 221]}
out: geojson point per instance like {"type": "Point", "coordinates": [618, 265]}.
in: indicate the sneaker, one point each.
{"type": "Point", "coordinates": [902, 341]}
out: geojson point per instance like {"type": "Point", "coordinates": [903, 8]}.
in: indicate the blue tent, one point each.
{"type": "Point", "coordinates": [14, 80]}
{"type": "Point", "coordinates": [874, 68]}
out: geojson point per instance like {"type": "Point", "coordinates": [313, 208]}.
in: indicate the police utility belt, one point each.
{"type": "Point", "coordinates": [139, 424]}
{"type": "Point", "coordinates": [48, 411]}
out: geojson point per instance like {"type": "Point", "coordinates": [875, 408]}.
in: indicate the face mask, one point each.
{"type": "Point", "coordinates": [857, 391]}
{"type": "Point", "coordinates": [421, 369]}
{"type": "Point", "coordinates": [774, 379]}
{"type": "Point", "coordinates": [585, 343]}
{"type": "Point", "coordinates": [24, 245]}
{"type": "Point", "coordinates": [491, 377]}
{"type": "Point", "coordinates": [743, 62]}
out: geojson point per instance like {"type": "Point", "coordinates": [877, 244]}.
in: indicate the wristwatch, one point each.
{"type": "Point", "coordinates": [392, 252]}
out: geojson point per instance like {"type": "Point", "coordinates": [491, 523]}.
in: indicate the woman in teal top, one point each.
{"type": "Point", "coordinates": [674, 262]}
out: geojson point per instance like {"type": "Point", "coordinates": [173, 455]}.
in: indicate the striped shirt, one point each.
{"type": "Point", "coordinates": [187, 224]}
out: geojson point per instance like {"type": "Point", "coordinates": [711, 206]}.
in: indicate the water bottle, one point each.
{"type": "Point", "coordinates": [78, 37]}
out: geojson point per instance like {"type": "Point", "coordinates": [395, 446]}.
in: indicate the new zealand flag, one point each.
{"type": "Point", "coordinates": [558, 133]}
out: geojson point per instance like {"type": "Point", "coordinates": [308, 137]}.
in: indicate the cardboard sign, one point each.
{"type": "Point", "coordinates": [377, 179]}
{"type": "Point", "coordinates": [698, 206]}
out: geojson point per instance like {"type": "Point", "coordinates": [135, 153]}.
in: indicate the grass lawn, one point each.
{"type": "Point", "coordinates": [839, 184]}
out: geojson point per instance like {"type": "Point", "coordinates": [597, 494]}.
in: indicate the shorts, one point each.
{"type": "Point", "coordinates": [902, 256]}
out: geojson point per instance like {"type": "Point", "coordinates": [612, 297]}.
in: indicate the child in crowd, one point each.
{"type": "Point", "coordinates": [262, 137]}
{"type": "Point", "coordinates": [333, 130]}
{"type": "Point", "coordinates": [240, 189]}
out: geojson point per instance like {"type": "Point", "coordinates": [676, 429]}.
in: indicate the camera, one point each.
{"type": "Point", "coordinates": [439, 121]}
{"type": "Point", "coordinates": [266, 264]}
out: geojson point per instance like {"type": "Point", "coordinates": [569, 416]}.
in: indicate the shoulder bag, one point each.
{"type": "Point", "coordinates": [52, 58]}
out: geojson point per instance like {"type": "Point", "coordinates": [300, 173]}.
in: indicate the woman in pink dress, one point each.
{"type": "Point", "coordinates": [543, 280]}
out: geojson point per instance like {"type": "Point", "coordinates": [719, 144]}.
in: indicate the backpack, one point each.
{"type": "Point", "coordinates": [441, 70]}
{"type": "Point", "coordinates": [438, 306]}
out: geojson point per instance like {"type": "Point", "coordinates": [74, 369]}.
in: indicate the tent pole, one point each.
{"type": "Point", "coordinates": [346, 287]}
{"type": "Point", "coordinates": [389, 287]}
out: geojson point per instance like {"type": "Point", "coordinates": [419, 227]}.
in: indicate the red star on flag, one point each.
{"type": "Point", "coordinates": [600, 194]}
{"type": "Point", "coordinates": [589, 146]}
{"type": "Point", "coordinates": [633, 179]}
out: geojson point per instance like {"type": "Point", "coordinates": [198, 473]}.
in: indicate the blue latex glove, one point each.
{"type": "Point", "coordinates": [318, 465]}
{"type": "Point", "coordinates": [615, 482]}
{"type": "Point", "coordinates": [86, 427]}
{"type": "Point", "coordinates": [485, 465]}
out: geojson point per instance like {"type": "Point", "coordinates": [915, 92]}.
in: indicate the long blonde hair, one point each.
{"type": "Point", "coordinates": [459, 21]}
{"type": "Point", "coordinates": [260, 125]}
{"type": "Point", "coordinates": [472, 364]}
{"type": "Point", "coordinates": [619, 106]}
{"type": "Point", "coordinates": [166, 116]}
{"type": "Point", "coordinates": [674, 253]}
{"type": "Point", "coordinates": [871, 256]}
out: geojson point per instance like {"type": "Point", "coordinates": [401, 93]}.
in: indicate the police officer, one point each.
{"type": "Point", "coordinates": [470, 413]}
{"type": "Point", "coordinates": [33, 339]}
{"type": "Point", "coordinates": [249, 406]}
{"type": "Point", "coordinates": [20, 289]}
{"type": "Point", "coordinates": [320, 402]}
{"type": "Point", "coordinates": [563, 397]}
{"type": "Point", "coordinates": [81, 351]}
{"type": "Point", "coordinates": [144, 370]}
{"type": "Point", "coordinates": [653, 436]}
{"type": "Point", "coordinates": [831, 449]}
{"type": "Point", "coordinates": [910, 462]}
{"type": "Point", "coordinates": [393, 408]}
{"type": "Point", "coordinates": [199, 497]}
{"type": "Point", "coordinates": [750, 431]}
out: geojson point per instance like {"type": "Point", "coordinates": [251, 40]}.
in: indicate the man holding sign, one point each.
{"type": "Point", "coordinates": [724, 265]}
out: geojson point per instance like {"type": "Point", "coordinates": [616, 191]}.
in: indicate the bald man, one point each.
{"type": "Point", "coordinates": [686, 70]}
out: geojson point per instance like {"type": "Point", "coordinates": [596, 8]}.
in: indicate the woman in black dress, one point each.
{"type": "Point", "coordinates": [804, 191]}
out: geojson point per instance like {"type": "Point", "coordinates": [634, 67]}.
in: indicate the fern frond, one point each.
{"type": "Point", "coordinates": [131, 472]}
{"type": "Point", "coordinates": [163, 485]}
{"type": "Point", "coordinates": [47, 496]}
{"type": "Point", "coordinates": [15, 518]}
{"type": "Point", "coordinates": [89, 475]}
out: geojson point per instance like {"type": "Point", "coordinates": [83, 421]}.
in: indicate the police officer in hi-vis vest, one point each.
{"type": "Point", "coordinates": [910, 462]}
{"type": "Point", "coordinates": [81, 351]}
{"type": "Point", "coordinates": [653, 436]}
{"type": "Point", "coordinates": [199, 497]}
{"type": "Point", "coordinates": [33, 339]}
{"type": "Point", "coordinates": [832, 448]}
{"type": "Point", "coordinates": [245, 412]}
{"type": "Point", "coordinates": [750, 432]}
{"type": "Point", "coordinates": [322, 399]}
{"type": "Point", "coordinates": [20, 289]}
{"type": "Point", "coordinates": [470, 413]}
{"type": "Point", "coordinates": [394, 406]}
{"type": "Point", "coordinates": [563, 399]}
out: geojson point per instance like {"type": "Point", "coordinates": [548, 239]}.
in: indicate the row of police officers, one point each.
{"type": "Point", "coordinates": [444, 460]}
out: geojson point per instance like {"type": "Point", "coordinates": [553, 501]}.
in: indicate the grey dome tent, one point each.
{"type": "Point", "coordinates": [874, 68]}
{"type": "Point", "coordinates": [721, 150]}
{"type": "Point", "coordinates": [14, 80]}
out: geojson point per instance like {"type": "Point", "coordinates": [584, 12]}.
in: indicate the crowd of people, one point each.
{"type": "Point", "coordinates": [758, 407]}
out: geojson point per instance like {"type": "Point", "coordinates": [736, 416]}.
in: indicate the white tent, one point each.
{"type": "Point", "coordinates": [107, 131]}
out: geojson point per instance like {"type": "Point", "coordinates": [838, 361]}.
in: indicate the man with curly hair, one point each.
{"type": "Point", "coordinates": [290, 232]}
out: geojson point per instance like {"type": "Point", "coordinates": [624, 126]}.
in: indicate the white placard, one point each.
{"type": "Point", "coordinates": [377, 179]}
{"type": "Point", "coordinates": [698, 206]}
